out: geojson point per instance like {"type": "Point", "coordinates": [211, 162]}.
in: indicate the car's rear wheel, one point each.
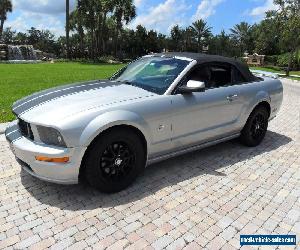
{"type": "Point", "coordinates": [114, 160]}
{"type": "Point", "coordinates": [256, 127]}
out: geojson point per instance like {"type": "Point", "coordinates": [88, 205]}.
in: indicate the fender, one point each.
{"type": "Point", "coordinates": [111, 119]}
{"type": "Point", "coordinates": [261, 96]}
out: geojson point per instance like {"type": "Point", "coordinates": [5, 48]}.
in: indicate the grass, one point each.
{"type": "Point", "coordinates": [278, 71]}
{"type": "Point", "coordinates": [19, 80]}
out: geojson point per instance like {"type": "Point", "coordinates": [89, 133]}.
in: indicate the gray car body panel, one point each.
{"type": "Point", "coordinates": [171, 123]}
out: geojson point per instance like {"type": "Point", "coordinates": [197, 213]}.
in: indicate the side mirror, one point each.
{"type": "Point", "coordinates": [191, 87]}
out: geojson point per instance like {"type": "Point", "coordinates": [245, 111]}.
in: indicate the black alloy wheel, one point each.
{"type": "Point", "coordinates": [256, 127]}
{"type": "Point", "coordinates": [114, 160]}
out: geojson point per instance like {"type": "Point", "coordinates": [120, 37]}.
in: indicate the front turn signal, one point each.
{"type": "Point", "coordinates": [56, 160]}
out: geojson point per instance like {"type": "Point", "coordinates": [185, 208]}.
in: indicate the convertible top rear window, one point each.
{"type": "Point", "coordinates": [154, 74]}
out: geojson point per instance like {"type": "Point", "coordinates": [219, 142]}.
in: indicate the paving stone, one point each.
{"type": "Point", "coordinates": [162, 242]}
{"type": "Point", "coordinates": [121, 244]}
{"type": "Point", "coordinates": [9, 241]}
{"type": "Point", "coordinates": [28, 242]}
{"type": "Point", "coordinates": [177, 244]}
{"type": "Point", "coordinates": [132, 227]}
{"type": "Point", "coordinates": [193, 246]}
{"type": "Point", "coordinates": [81, 245]}
{"type": "Point", "coordinates": [44, 244]}
{"type": "Point", "coordinates": [30, 224]}
{"type": "Point", "coordinates": [139, 244]}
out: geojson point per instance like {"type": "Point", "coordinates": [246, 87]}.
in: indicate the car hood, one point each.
{"type": "Point", "coordinates": [57, 103]}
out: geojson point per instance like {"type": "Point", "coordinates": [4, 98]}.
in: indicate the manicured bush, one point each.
{"type": "Point", "coordinates": [271, 60]}
{"type": "Point", "coordinates": [280, 62]}
{"type": "Point", "coordinates": [283, 60]}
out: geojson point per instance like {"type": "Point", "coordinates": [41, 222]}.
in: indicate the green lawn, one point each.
{"type": "Point", "coordinates": [19, 80]}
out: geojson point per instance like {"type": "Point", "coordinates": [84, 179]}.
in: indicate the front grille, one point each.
{"type": "Point", "coordinates": [25, 129]}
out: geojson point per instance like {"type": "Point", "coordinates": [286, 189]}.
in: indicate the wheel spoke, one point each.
{"type": "Point", "coordinates": [258, 126]}
{"type": "Point", "coordinates": [109, 159]}
{"type": "Point", "coordinates": [117, 161]}
{"type": "Point", "coordinates": [110, 150]}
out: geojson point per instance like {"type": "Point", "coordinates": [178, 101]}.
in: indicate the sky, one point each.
{"type": "Point", "coordinates": [159, 15]}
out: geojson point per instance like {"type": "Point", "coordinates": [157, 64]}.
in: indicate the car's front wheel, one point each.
{"type": "Point", "coordinates": [114, 160]}
{"type": "Point", "coordinates": [256, 127]}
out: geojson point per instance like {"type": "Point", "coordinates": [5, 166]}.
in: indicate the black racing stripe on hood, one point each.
{"type": "Point", "coordinates": [54, 93]}
{"type": "Point", "coordinates": [47, 91]}
{"type": "Point", "coordinates": [11, 129]}
{"type": "Point", "coordinates": [12, 133]}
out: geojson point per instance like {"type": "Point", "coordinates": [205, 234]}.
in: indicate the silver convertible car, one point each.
{"type": "Point", "coordinates": [159, 106]}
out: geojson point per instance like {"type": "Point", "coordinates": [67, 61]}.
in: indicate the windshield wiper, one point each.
{"type": "Point", "coordinates": [128, 83]}
{"type": "Point", "coordinates": [141, 86]}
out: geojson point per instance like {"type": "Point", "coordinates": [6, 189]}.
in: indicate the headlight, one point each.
{"type": "Point", "coordinates": [51, 136]}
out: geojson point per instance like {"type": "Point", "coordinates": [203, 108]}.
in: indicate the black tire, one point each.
{"type": "Point", "coordinates": [115, 160]}
{"type": "Point", "coordinates": [256, 127]}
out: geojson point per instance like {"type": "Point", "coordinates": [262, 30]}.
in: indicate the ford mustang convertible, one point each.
{"type": "Point", "coordinates": [157, 107]}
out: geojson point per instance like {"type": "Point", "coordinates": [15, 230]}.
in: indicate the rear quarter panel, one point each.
{"type": "Point", "coordinates": [269, 90]}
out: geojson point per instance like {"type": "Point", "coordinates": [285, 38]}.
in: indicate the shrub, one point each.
{"type": "Point", "coordinates": [273, 60]}
{"type": "Point", "coordinates": [283, 60]}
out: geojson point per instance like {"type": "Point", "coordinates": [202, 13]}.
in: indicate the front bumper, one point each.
{"type": "Point", "coordinates": [26, 150]}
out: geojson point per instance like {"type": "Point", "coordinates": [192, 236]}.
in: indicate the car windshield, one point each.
{"type": "Point", "coordinates": [154, 74]}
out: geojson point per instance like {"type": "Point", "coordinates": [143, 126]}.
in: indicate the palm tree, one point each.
{"type": "Point", "coordinates": [188, 34]}
{"type": "Point", "coordinates": [76, 24]}
{"type": "Point", "coordinates": [68, 27]}
{"type": "Point", "coordinates": [176, 38]}
{"type": "Point", "coordinates": [107, 7]}
{"type": "Point", "coordinates": [241, 33]}
{"type": "Point", "coordinates": [5, 7]}
{"type": "Point", "coordinates": [202, 32]}
{"type": "Point", "coordinates": [124, 11]}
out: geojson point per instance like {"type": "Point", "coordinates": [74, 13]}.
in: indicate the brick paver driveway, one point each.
{"type": "Point", "coordinates": [203, 199]}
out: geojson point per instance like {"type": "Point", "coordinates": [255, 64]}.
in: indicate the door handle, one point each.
{"type": "Point", "coordinates": [232, 97]}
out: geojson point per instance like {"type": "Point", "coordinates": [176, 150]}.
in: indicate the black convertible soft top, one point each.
{"type": "Point", "coordinates": [204, 58]}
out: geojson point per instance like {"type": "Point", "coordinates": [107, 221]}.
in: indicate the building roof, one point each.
{"type": "Point", "coordinates": [205, 58]}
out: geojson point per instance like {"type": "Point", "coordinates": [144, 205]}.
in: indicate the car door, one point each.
{"type": "Point", "coordinates": [209, 115]}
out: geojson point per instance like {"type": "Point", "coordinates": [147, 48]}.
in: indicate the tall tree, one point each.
{"type": "Point", "coordinates": [68, 27]}
{"type": "Point", "coordinates": [152, 42]}
{"type": "Point", "coordinates": [107, 7]}
{"type": "Point", "coordinates": [287, 17]}
{"type": "Point", "coordinates": [8, 35]}
{"type": "Point", "coordinates": [140, 39]}
{"type": "Point", "coordinates": [124, 11]}
{"type": "Point", "coordinates": [5, 7]}
{"type": "Point", "coordinates": [176, 38]}
{"type": "Point", "coordinates": [202, 33]}
{"type": "Point", "coordinates": [223, 45]}
{"type": "Point", "coordinates": [241, 33]}
{"type": "Point", "coordinates": [188, 35]}
{"type": "Point", "coordinates": [76, 23]}
{"type": "Point", "coordinates": [267, 37]}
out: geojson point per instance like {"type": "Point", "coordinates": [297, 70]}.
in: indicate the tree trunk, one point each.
{"type": "Point", "coordinates": [199, 44]}
{"type": "Point", "coordinates": [288, 69]}
{"type": "Point", "coordinates": [93, 44]}
{"type": "Point", "coordinates": [81, 37]}
{"type": "Point", "coordinates": [1, 27]}
{"type": "Point", "coordinates": [116, 42]}
{"type": "Point", "coordinates": [118, 31]}
{"type": "Point", "coordinates": [68, 27]}
{"type": "Point", "coordinates": [102, 32]}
